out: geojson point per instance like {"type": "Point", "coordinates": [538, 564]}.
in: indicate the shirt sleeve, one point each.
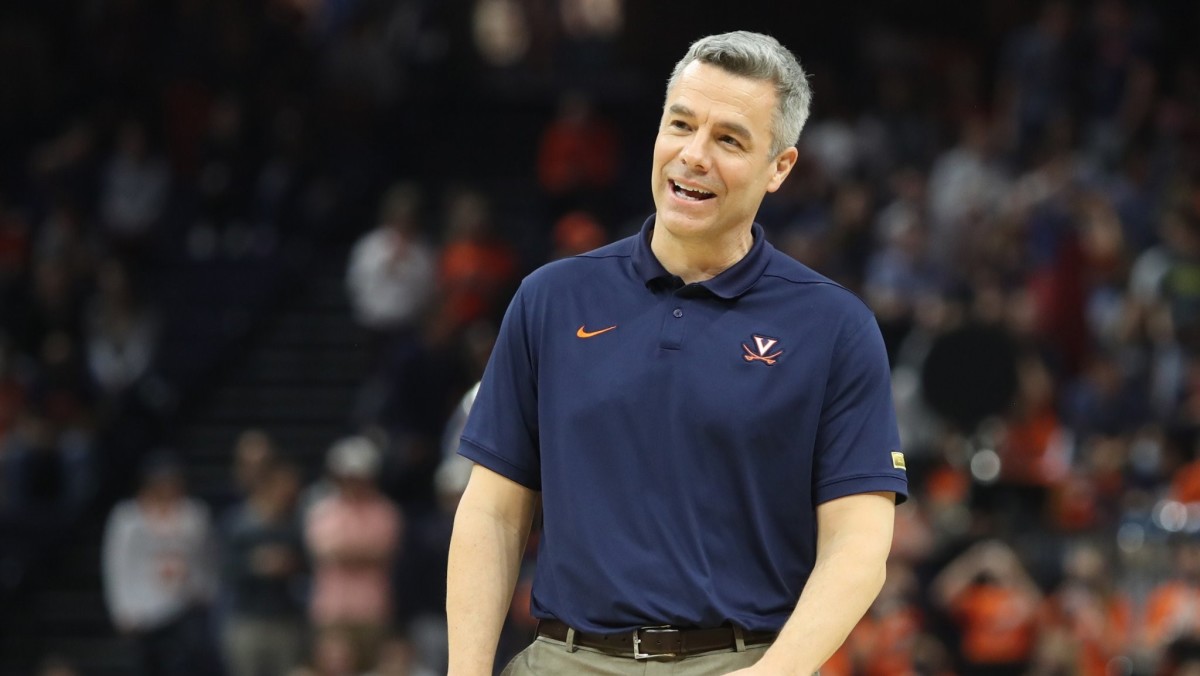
{"type": "Point", "coordinates": [858, 443]}
{"type": "Point", "coordinates": [501, 432]}
{"type": "Point", "coordinates": [116, 548]}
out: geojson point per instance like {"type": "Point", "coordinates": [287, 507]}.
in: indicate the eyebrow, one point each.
{"type": "Point", "coordinates": [734, 127]}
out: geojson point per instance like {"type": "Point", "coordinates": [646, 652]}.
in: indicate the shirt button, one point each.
{"type": "Point", "coordinates": [677, 312]}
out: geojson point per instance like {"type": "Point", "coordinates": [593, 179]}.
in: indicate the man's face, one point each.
{"type": "Point", "coordinates": [711, 161]}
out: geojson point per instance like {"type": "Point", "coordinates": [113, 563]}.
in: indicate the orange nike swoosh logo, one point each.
{"type": "Point", "coordinates": [588, 334]}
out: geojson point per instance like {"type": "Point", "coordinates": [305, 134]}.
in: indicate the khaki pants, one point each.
{"type": "Point", "coordinates": [263, 647]}
{"type": "Point", "coordinates": [547, 657]}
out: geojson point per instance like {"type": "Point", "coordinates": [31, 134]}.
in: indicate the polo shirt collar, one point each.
{"type": "Point", "coordinates": [731, 283]}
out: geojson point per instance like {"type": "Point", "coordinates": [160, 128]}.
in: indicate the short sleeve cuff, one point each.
{"type": "Point", "coordinates": [483, 456]}
{"type": "Point", "coordinates": [862, 484]}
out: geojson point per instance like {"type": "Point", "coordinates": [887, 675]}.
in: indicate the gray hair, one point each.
{"type": "Point", "coordinates": [758, 57]}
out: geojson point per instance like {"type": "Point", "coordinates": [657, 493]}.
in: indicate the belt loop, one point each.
{"type": "Point", "coordinates": [739, 641]}
{"type": "Point", "coordinates": [571, 647]}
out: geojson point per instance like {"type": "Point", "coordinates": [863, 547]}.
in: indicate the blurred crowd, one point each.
{"type": "Point", "coordinates": [1015, 194]}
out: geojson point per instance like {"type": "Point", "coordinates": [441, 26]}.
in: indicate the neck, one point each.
{"type": "Point", "coordinates": [697, 260]}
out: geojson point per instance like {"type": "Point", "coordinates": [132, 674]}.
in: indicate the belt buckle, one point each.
{"type": "Point", "coordinates": [637, 641]}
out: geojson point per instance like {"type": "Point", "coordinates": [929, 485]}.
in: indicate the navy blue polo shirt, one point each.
{"type": "Point", "coordinates": [682, 434]}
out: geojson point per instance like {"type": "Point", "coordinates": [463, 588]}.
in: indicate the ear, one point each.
{"type": "Point", "coordinates": [783, 166]}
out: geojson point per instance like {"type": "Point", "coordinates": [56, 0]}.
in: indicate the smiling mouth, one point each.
{"type": "Point", "coordinates": [692, 194]}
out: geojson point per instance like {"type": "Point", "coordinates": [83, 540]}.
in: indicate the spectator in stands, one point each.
{"type": "Point", "coordinates": [263, 570]}
{"type": "Point", "coordinates": [65, 235]}
{"type": "Point", "coordinates": [1180, 294]}
{"type": "Point", "coordinates": [353, 535]}
{"type": "Point", "coordinates": [577, 232]}
{"type": "Point", "coordinates": [254, 454]}
{"type": "Point", "coordinates": [1033, 452]}
{"type": "Point", "coordinates": [1035, 75]}
{"type": "Point", "coordinates": [47, 473]}
{"type": "Point", "coordinates": [1086, 622]}
{"type": "Point", "coordinates": [477, 268]}
{"type": "Point", "coordinates": [225, 181]}
{"type": "Point", "coordinates": [391, 274]}
{"type": "Point", "coordinates": [995, 604]}
{"type": "Point", "coordinates": [1171, 620]}
{"type": "Point", "coordinates": [967, 184]}
{"type": "Point", "coordinates": [134, 190]}
{"type": "Point", "coordinates": [122, 332]}
{"type": "Point", "coordinates": [254, 457]}
{"type": "Point", "coordinates": [577, 154]}
{"type": "Point", "coordinates": [54, 305]}
{"type": "Point", "coordinates": [1150, 300]}
{"type": "Point", "coordinates": [160, 573]}
{"type": "Point", "coordinates": [884, 642]}
{"type": "Point", "coordinates": [391, 279]}
{"type": "Point", "coordinates": [60, 388]}
{"type": "Point", "coordinates": [591, 30]}
{"type": "Point", "coordinates": [900, 273]}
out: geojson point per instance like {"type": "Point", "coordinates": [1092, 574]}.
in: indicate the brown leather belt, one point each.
{"type": "Point", "coordinates": [648, 642]}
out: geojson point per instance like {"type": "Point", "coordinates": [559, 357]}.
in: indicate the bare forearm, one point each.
{"type": "Point", "coordinates": [838, 593]}
{"type": "Point", "coordinates": [854, 538]}
{"type": "Point", "coordinates": [485, 557]}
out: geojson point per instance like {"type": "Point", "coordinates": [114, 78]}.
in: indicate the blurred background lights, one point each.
{"type": "Point", "coordinates": [1170, 516]}
{"type": "Point", "coordinates": [985, 466]}
{"type": "Point", "coordinates": [1131, 537]}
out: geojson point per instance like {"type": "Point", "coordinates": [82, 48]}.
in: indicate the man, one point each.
{"type": "Point", "coordinates": [263, 565]}
{"type": "Point", "coordinates": [707, 423]}
{"type": "Point", "coordinates": [352, 534]}
{"type": "Point", "coordinates": [160, 572]}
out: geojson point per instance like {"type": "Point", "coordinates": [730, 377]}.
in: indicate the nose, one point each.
{"type": "Point", "coordinates": [695, 153]}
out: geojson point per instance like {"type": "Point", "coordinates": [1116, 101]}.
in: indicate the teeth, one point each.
{"type": "Point", "coordinates": [691, 193]}
{"type": "Point", "coordinates": [702, 191]}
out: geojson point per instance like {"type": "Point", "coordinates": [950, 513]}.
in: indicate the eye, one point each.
{"type": "Point", "coordinates": [731, 141]}
{"type": "Point", "coordinates": [678, 124]}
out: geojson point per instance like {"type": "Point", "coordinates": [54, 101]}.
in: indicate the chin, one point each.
{"type": "Point", "coordinates": [682, 226]}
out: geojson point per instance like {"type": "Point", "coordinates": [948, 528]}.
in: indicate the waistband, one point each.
{"type": "Point", "coordinates": [663, 641]}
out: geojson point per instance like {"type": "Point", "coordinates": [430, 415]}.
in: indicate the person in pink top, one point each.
{"type": "Point", "coordinates": [353, 534]}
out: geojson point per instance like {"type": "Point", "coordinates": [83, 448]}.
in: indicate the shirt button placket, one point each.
{"type": "Point", "coordinates": [672, 332]}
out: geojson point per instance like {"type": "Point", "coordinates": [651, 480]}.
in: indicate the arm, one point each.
{"type": "Point", "coordinates": [116, 570]}
{"type": "Point", "coordinates": [854, 536]}
{"type": "Point", "coordinates": [990, 556]}
{"type": "Point", "coordinates": [956, 577]}
{"type": "Point", "coordinates": [490, 529]}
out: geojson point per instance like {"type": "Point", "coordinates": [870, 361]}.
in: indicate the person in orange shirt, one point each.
{"type": "Point", "coordinates": [577, 152]}
{"type": "Point", "coordinates": [476, 269]}
{"type": "Point", "coordinates": [883, 642]}
{"type": "Point", "coordinates": [1173, 608]}
{"type": "Point", "coordinates": [1185, 479]}
{"type": "Point", "coordinates": [995, 603]}
{"type": "Point", "coordinates": [1086, 621]}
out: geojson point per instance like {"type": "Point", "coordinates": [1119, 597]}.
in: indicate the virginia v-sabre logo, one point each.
{"type": "Point", "coordinates": [762, 351]}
